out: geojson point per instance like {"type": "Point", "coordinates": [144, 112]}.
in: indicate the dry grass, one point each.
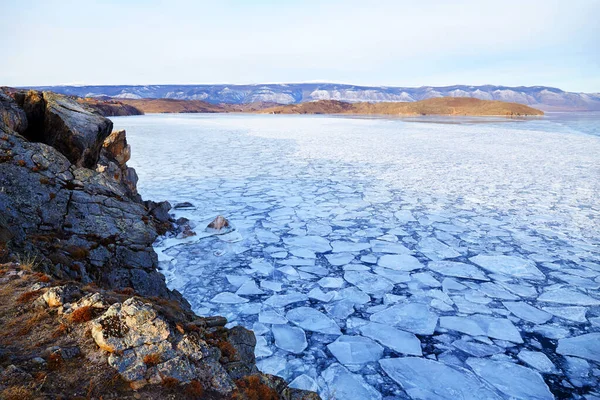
{"type": "Point", "coordinates": [78, 253]}
{"type": "Point", "coordinates": [195, 389]}
{"type": "Point", "coordinates": [17, 393]}
{"type": "Point", "coordinates": [55, 361]}
{"type": "Point", "coordinates": [43, 277]}
{"type": "Point", "coordinates": [253, 389]}
{"type": "Point", "coordinates": [219, 339]}
{"type": "Point", "coordinates": [170, 382]}
{"type": "Point", "coordinates": [32, 322]}
{"type": "Point", "coordinates": [62, 330]}
{"type": "Point", "coordinates": [28, 262]}
{"type": "Point", "coordinates": [82, 314]}
{"type": "Point", "coordinates": [126, 291]}
{"type": "Point", "coordinates": [28, 297]}
{"type": "Point", "coordinates": [151, 359]}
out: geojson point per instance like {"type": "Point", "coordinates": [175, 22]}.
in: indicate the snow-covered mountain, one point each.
{"type": "Point", "coordinates": [545, 98]}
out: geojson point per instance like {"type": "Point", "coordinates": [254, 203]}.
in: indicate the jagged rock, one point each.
{"type": "Point", "coordinates": [116, 146]}
{"type": "Point", "coordinates": [66, 125]}
{"type": "Point", "coordinates": [219, 225]}
{"type": "Point", "coordinates": [127, 325]}
{"type": "Point", "coordinates": [183, 205]}
{"type": "Point", "coordinates": [11, 115]}
{"type": "Point", "coordinates": [112, 162]}
{"type": "Point", "coordinates": [134, 333]}
{"type": "Point", "coordinates": [243, 341]}
{"type": "Point", "coordinates": [215, 321]}
{"type": "Point", "coordinates": [59, 295]}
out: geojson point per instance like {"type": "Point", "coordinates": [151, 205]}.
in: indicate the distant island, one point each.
{"type": "Point", "coordinates": [439, 106]}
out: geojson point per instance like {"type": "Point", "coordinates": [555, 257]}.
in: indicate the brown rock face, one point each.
{"type": "Point", "coordinates": [113, 158]}
{"type": "Point", "coordinates": [116, 145]}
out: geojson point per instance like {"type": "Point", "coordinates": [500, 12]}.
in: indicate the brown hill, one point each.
{"type": "Point", "coordinates": [109, 107]}
{"type": "Point", "coordinates": [173, 106]}
{"type": "Point", "coordinates": [438, 106]}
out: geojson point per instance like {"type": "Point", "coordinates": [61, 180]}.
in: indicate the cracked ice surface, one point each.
{"type": "Point", "coordinates": [373, 254]}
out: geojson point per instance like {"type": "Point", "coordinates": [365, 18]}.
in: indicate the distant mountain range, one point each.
{"type": "Point", "coordinates": [541, 97]}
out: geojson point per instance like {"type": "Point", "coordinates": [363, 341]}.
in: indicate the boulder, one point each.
{"type": "Point", "coordinates": [59, 295]}
{"type": "Point", "coordinates": [11, 115]}
{"type": "Point", "coordinates": [145, 350]}
{"type": "Point", "coordinates": [63, 123]}
{"type": "Point", "coordinates": [116, 146]}
{"type": "Point", "coordinates": [220, 225]}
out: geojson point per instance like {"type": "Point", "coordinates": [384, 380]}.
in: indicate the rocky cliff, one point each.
{"type": "Point", "coordinates": [85, 313]}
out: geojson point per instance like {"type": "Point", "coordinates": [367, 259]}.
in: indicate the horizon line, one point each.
{"type": "Point", "coordinates": [292, 83]}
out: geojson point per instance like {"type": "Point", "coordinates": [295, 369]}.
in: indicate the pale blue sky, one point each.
{"type": "Point", "coordinates": [393, 43]}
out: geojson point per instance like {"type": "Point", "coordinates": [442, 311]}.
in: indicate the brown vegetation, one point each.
{"type": "Point", "coordinates": [252, 388]}
{"type": "Point", "coordinates": [29, 296]}
{"type": "Point", "coordinates": [195, 389]}
{"type": "Point", "coordinates": [82, 314]}
{"type": "Point", "coordinates": [151, 359]}
{"type": "Point", "coordinates": [438, 106]}
{"type": "Point", "coordinates": [16, 393]}
{"type": "Point", "coordinates": [55, 361]}
{"type": "Point", "coordinates": [170, 382]}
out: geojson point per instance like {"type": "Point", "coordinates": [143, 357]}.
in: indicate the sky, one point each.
{"type": "Point", "coordinates": [392, 43]}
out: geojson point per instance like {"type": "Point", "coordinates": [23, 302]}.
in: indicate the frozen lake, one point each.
{"type": "Point", "coordinates": [372, 255]}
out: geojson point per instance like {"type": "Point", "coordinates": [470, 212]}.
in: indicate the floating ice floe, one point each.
{"type": "Point", "coordinates": [312, 320]}
{"type": "Point", "coordinates": [571, 313]}
{"type": "Point", "coordinates": [527, 312]}
{"type": "Point", "coordinates": [568, 296]}
{"type": "Point", "coordinates": [482, 325]}
{"type": "Point", "coordinates": [289, 338]}
{"type": "Point", "coordinates": [436, 250]}
{"type": "Point", "coordinates": [342, 384]}
{"type": "Point", "coordinates": [351, 350]}
{"type": "Point", "coordinates": [513, 380]}
{"type": "Point", "coordinates": [282, 300]}
{"type": "Point", "coordinates": [304, 382]}
{"type": "Point", "coordinates": [585, 346]}
{"type": "Point", "coordinates": [427, 379]}
{"type": "Point", "coordinates": [399, 262]}
{"type": "Point", "coordinates": [509, 265]}
{"type": "Point", "coordinates": [228, 298]}
{"type": "Point", "coordinates": [412, 317]}
{"type": "Point", "coordinates": [457, 269]}
{"type": "Point", "coordinates": [538, 360]}
{"type": "Point", "coordinates": [312, 243]}
{"type": "Point", "coordinates": [368, 282]}
{"type": "Point", "coordinates": [392, 338]}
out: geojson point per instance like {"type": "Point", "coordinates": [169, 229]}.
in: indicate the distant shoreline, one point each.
{"type": "Point", "coordinates": [445, 106]}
